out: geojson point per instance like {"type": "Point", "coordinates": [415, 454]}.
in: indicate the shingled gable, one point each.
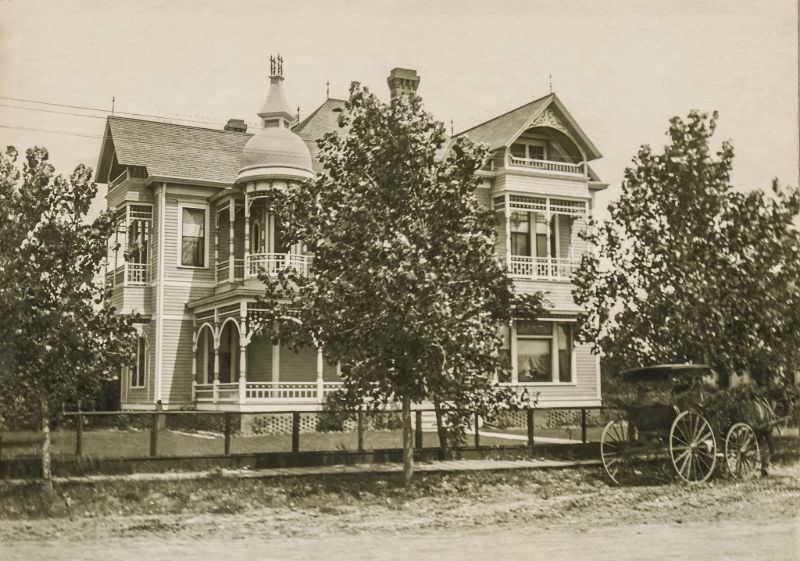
{"type": "Point", "coordinates": [172, 152]}
{"type": "Point", "coordinates": [503, 130]}
{"type": "Point", "coordinates": [323, 120]}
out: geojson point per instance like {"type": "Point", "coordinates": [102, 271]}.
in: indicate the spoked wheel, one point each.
{"type": "Point", "coordinates": [742, 456]}
{"type": "Point", "coordinates": [692, 447]}
{"type": "Point", "coordinates": [616, 451]}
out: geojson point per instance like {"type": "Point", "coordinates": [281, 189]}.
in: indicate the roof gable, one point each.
{"type": "Point", "coordinates": [503, 130]}
{"type": "Point", "coordinates": [323, 120]}
{"type": "Point", "coordinates": [172, 151]}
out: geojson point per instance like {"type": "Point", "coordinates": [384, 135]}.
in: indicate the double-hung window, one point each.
{"type": "Point", "coordinates": [529, 234]}
{"type": "Point", "coordinates": [193, 237]}
{"type": "Point", "coordinates": [138, 370]}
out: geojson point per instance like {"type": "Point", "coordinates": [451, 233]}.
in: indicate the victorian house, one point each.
{"type": "Point", "coordinates": [195, 229]}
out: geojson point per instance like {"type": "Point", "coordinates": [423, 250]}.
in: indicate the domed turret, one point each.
{"type": "Point", "coordinates": [274, 151]}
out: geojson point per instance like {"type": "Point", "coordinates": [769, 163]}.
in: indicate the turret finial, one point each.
{"type": "Point", "coordinates": [276, 65]}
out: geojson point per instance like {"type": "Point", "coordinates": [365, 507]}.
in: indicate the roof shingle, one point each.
{"type": "Point", "coordinates": [177, 151]}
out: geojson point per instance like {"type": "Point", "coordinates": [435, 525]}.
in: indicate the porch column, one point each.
{"type": "Point", "coordinates": [507, 213]}
{"type": "Point", "coordinates": [243, 341]}
{"type": "Point", "coordinates": [216, 370]}
{"type": "Point", "coordinates": [548, 217]}
{"type": "Point", "coordinates": [320, 382]}
{"type": "Point", "coordinates": [246, 236]}
{"type": "Point", "coordinates": [276, 363]}
{"type": "Point", "coordinates": [194, 366]}
{"type": "Point", "coordinates": [216, 244]}
{"type": "Point", "coordinates": [231, 222]}
{"type": "Point", "coordinates": [512, 345]}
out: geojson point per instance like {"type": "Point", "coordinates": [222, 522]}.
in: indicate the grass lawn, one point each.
{"type": "Point", "coordinates": [131, 443]}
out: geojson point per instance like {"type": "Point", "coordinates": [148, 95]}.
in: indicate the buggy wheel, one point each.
{"type": "Point", "coordinates": [615, 451]}
{"type": "Point", "coordinates": [742, 456]}
{"type": "Point", "coordinates": [692, 447]}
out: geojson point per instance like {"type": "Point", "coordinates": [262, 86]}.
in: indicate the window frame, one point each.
{"type": "Point", "coordinates": [206, 227]}
{"type": "Point", "coordinates": [528, 143]}
{"type": "Point", "coordinates": [135, 380]}
{"type": "Point", "coordinates": [554, 351]}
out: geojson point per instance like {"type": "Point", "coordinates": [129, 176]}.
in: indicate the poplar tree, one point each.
{"type": "Point", "coordinates": [688, 269]}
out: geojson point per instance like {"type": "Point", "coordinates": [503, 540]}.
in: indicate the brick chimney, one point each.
{"type": "Point", "coordinates": [237, 125]}
{"type": "Point", "coordinates": [403, 81]}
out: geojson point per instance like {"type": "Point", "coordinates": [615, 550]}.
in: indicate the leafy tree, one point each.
{"type": "Point", "coordinates": [59, 337]}
{"type": "Point", "coordinates": [688, 269]}
{"type": "Point", "coordinates": [406, 291]}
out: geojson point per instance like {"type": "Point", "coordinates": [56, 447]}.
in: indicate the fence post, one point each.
{"type": "Point", "coordinates": [360, 429]}
{"type": "Point", "coordinates": [477, 431]}
{"type": "Point", "coordinates": [583, 425]}
{"type": "Point", "coordinates": [295, 431]}
{"type": "Point", "coordinates": [154, 434]}
{"type": "Point", "coordinates": [227, 419]}
{"type": "Point", "coordinates": [79, 435]}
{"type": "Point", "coordinates": [418, 429]}
{"type": "Point", "coordinates": [530, 426]}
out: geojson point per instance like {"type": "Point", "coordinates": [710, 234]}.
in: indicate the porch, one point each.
{"type": "Point", "coordinates": [236, 366]}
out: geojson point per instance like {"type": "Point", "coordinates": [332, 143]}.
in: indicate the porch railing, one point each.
{"type": "Point", "coordinates": [261, 392]}
{"type": "Point", "coordinates": [223, 270]}
{"type": "Point", "coordinates": [546, 268]}
{"type": "Point", "coordinates": [548, 165]}
{"type": "Point", "coordinates": [271, 263]}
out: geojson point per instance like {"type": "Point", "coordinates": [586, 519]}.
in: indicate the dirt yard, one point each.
{"type": "Point", "coordinates": [555, 515]}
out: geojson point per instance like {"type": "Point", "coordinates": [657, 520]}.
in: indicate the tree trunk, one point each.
{"type": "Point", "coordinates": [47, 472]}
{"type": "Point", "coordinates": [408, 443]}
{"type": "Point", "coordinates": [440, 430]}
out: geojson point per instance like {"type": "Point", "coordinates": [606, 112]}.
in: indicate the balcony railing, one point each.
{"type": "Point", "coordinates": [271, 263]}
{"type": "Point", "coordinates": [118, 179]}
{"type": "Point", "coordinates": [542, 268]}
{"type": "Point", "coordinates": [223, 270]}
{"type": "Point", "coordinates": [547, 165]}
{"type": "Point", "coordinates": [128, 274]}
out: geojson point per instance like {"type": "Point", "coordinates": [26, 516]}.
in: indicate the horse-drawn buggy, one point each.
{"type": "Point", "coordinates": [677, 411]}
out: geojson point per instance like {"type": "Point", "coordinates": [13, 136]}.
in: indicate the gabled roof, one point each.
{"type": "Point", "coordinates": [323, 120]}
{"type": "Point", "coordinates": [503, 130]}
{"type": "Point", "coordinates": [168, 150]}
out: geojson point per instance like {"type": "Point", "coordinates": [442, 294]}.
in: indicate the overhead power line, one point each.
{"type": "Point", "coordinates": [86, 135]}
{"type": "Point", "coordinates": [206, 121]}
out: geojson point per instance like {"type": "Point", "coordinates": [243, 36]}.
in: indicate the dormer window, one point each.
{"type": "Point", "coordinates": [531, 150]}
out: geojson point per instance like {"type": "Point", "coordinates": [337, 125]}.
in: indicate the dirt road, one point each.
{"type": "Point", "coordinates": [730, 541]}
{"type": "Point", "coordinates": [565, 515]}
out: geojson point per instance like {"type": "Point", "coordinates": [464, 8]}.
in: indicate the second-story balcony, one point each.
{"type": "Point", "coordinates": [542, 268]}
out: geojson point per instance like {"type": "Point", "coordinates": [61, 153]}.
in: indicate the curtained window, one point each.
{"type": "Point", "coordinates": [193, 237]}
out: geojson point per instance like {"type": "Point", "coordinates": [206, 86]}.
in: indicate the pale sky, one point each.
{"type": "Point", "coordinates": [622, 67]}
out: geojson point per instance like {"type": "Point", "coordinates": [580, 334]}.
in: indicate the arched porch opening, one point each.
{"type": "Point", "coordinates": [229, 352]}
{"type": "Point", "coordinates": [204, 355]}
